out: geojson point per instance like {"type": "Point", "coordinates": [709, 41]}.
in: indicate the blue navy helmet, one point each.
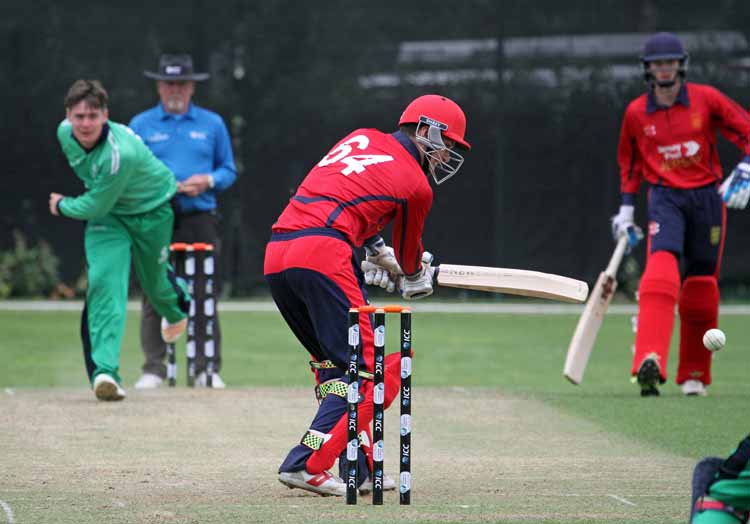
{"type": "Point", "coordinates": [664, 46]}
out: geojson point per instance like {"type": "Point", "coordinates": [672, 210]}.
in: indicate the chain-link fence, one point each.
{"type": "Point", "coordinates": [544, 87]}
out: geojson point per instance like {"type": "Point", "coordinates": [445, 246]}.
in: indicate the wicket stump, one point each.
{"type": "Point", "coordinates": [378, 421]}
{"type": "Point", "coordinates": [195, 263]}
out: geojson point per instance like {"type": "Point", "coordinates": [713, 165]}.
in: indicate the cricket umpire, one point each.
{"type": "Point", "coordinates": [195, 144]}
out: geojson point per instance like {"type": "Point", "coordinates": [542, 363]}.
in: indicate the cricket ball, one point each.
{"type": "Point", "coordinates": [714, 339]}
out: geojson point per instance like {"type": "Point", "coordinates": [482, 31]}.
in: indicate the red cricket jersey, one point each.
{"type": "Point", "coordinates": [676, 146]}
{"type": "Point", "coordinates": [366, 181]}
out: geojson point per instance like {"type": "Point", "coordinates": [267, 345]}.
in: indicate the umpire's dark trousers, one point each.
{"type": "Point", "coordinates": [189, 228]}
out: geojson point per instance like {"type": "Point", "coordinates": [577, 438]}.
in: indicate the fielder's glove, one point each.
{"type": "Point", "coordinates": [413, 287]}
{"type": "Point", "coordinates": [735, 191]}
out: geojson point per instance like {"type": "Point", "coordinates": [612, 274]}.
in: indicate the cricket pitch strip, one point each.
{"type": "Point", "coordinates": [199, 456]}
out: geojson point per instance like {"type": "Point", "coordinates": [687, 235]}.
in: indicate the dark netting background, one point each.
{"type": "Point", "coordinates": [544, 87]}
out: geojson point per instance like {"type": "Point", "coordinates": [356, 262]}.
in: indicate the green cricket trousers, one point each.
{"type": "Point", "coordinates": [110, 241]}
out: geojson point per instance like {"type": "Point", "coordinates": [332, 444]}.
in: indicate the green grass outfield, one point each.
{"type": "Point", "coordinates": [493, 356]}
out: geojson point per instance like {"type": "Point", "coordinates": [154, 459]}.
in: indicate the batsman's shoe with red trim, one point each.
{"type": "Point", "coordinates": [106, 388]}
{"type": "Point", "coordinates": [388, 485]}
{"type": "Point", "coordinates": [171, 332]}
{"type": "Point", "coordinates": [322, 483]}
{"type": "Point", "coordinates": [693, 388]}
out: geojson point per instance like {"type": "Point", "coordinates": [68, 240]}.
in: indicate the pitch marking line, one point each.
{"type": "Point", "coordinates": [8, 511]}
{"type": "Point", "coordinates": [9, 392]}
{"type": "Point", "coordinates": [623, 500]}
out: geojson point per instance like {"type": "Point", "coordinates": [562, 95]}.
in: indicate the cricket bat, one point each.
{"type": "Point", "coordinates": [593, 314]}
{"type": "Point", "coordinates": [512, 281]}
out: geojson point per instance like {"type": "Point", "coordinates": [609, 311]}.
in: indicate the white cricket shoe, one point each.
{"type": "Point", "coordinates": [388, 485]}
{"type": "Point", "coordinates": [149, 381]}
{"type": "Point", "coordinates": [323, 483]}
{"type": "Point", "coordinates": [106, 388]}
{"type": "Point", "coordinates": [216, 382]}
{"type": "Point", "coordinates": [172, 332]}
{"type": "Point", "coordinates": [694, 388]}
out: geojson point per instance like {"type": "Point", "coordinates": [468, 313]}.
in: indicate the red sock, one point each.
{"type": "Point", "coordinates": [657, 297]}
{"type": "Point", "coordinates": [699, 312]}
{"type": "Point", "coordinates": [366, 444]}
{"type": "Point", "coordinates": [326, 456]}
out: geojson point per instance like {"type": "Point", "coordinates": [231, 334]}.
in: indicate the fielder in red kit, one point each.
{"type": "Point", "coordinates": [668, 139]}
{"type": "Point", "coordinates": [368, 180]}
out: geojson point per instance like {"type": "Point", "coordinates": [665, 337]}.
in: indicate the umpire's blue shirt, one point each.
{"type": "Point", "coordinates": [196, 142]}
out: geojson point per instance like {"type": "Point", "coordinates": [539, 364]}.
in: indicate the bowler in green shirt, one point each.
{"type": "Point", "coordinates": [126, 207]}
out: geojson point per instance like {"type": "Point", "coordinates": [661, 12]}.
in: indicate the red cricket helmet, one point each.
{"type": "Point", "coordinates": [441, 110]}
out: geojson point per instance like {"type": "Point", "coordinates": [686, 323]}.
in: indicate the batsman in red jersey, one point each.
{"type": "Point", "coordinates": [368, 180]}
{"type": "Point", "coordinates": [668, 139]}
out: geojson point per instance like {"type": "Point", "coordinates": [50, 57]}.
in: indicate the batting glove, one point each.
{"type": "Point", "coordinates": [413, 287]}
{"type": "Point", "coordinates": [381, 255]}
{"type": "Point", "coordinates": [735, 191]}
{"type": "Point", "coordinates": [376, 275]}
{"type": "Point", "coordinates": [622, 221]}
{"type": "Point", "coordinates": [635, 235]}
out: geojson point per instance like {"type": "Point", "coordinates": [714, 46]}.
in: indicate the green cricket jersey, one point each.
{"type": "Point", "coordinates": [732, 487]}
{"type": "Point", "coordinates": [121, 175]}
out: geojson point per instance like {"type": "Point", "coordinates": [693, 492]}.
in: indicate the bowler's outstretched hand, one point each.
{"type": "Point", "coordinates": [54, 198]}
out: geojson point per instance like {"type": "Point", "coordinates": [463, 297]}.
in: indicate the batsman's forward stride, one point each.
{"type": "Point", "coordinates": [368, 180]}
{"type": "Point", "coordinates": [126, 209]}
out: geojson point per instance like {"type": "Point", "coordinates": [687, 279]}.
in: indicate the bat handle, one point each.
{"type": "Point", "coordinates": [614, 262]}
